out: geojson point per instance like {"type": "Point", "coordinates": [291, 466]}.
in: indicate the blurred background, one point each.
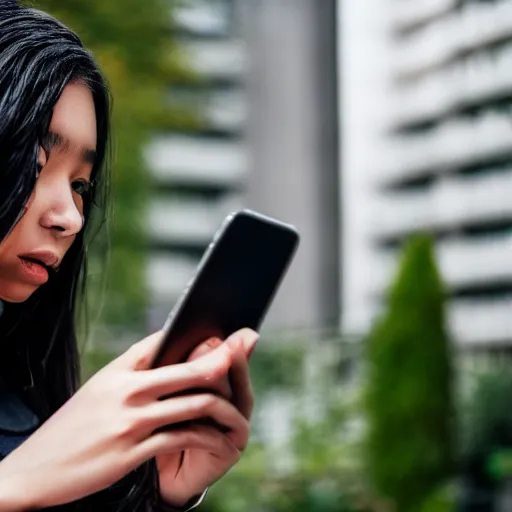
{"type": "Point", "coordinates": [383, 130]}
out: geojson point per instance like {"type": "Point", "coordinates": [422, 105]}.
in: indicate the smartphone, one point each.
{"type": "Point", "coordinates": [234, 285]}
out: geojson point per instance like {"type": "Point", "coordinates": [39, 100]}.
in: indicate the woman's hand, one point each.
{"type": "Point", "coordinates": [187, 473]}
{"type": "Point", "coordinates": [116, 421]}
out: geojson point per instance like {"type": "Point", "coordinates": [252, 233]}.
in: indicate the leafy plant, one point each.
{"type": "Point", "coordinates": [326, 474]}
{"type": "Point", "coordinates": [274, 365]}
{"type": "Point", "coordinates": [441, 500]}
{"type": "Point", "coordinates": [487, 423]}
{"type": "Point", "coordinates": [409, 394]}
{"type": "Point", "coordinates": [94, 360]}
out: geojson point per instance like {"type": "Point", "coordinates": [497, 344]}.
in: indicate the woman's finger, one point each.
{"type": "Point", "coordinates": [239, 376]}
{"type": "Point", "coordinates": [220, 386]}
{"type": "Point", "coordinates": [248, 339]}
{"type": "Point", "coordinates": [141, 354]}
{"type": "Point", "coordinates": [242, 344]}
{"type": "Point", "coordinates": [204, 348]}
{"type": "Point", "coordinates": [199, 407]}
{"type": "Point", "coordinates": [198, 437]}
{"type": "Point", "coordinates": [201, 373]}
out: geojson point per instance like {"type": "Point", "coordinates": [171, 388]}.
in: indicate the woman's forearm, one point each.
{"type": "Point", "coordinates": [14, 493]}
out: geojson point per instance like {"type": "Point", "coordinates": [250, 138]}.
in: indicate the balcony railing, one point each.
{"type": "Point", "coordinates": [406, 14]}
{"type": "Point", "coordinates": [470, 323]}
{"type": "Point", "coordinates": [188, 221]}
{"type": "Point", "coordinates": [481, 323]}
{"type": "Point", "coordinates": [167, 276]}
{"type": "Point", "coordinates": [209, 17]}
{"type": "Point", "coordinates": [449, 204]}
{"type": "Point", "coordinates": [475, 321]}
{"type": "Point", "coordinates": [219, 59]}
{"type": "Point", "coordinates": [475, 26]}
{"type": "Point", "coordinates": [479, 79]}
{"type": "Point", "coordinates": [461, 262]}
{"type": "Point", "coordinates": [182, 221]}
{"type": "Point", "coordinates": [396, 216]}
{"type": "Point", "coordinates": [456, 143]}
{"type": "Point", "coordinates": [194, 160]}
{"type": "Point", "coordinates": [226, 110]}
{"type": "Point", "coordinates": [429, 47]}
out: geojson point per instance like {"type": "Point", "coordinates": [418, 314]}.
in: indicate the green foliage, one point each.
{"type": "Point", "coordinates": [441, 500]}
{"type": "Point", "coordinates": [408, 399]}
{"type": "Point", "coordinates": [322, 447]}
{"type": "Point", "coordinates": [326, 475]}
{"type": "Point", "coordinates": [93, 361]}
{"type": "Point", "coordinates": [131, 40]}
{"type": "Point", "coordinates": [276, 366]}
{"type": "Point", "coordinates": [487, 422]}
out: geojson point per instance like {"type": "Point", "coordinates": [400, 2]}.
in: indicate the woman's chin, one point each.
{"type": "Point", "coordinates": [16, 293]}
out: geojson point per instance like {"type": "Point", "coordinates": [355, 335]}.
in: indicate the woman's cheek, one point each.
{"type": "Point", "coordinates": [27, 206]}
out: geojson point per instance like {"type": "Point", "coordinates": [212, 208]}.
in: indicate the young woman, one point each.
{"type": "Point", "coordinates": [115, 444]}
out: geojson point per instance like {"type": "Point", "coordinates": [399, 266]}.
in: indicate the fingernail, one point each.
{"type": "Point", "coordinates": [252, 341]}
{"type": "Point", "coordinates": [205, 347]}
{"type": "Point", "coordinates": [214, 342]}
{"type": "Point", "coordinates": [253, 346]}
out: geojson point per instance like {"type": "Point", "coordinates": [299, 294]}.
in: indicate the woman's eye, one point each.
{"type": "Point", "coordinates": [82, 187]}
{"type": "Point", "coordinates": [42, 159]}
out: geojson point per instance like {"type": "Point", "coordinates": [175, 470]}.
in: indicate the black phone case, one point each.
{"type": "Point", "coordinates": [234, 285]}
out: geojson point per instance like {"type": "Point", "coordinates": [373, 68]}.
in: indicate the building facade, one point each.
{"type": "Point", "coordinates": [267, 95]}
{"type": "Point", "coordinates": [426, 92]}
{"type": "Point", "coordinates": [293, 146]}
{"type": "Point", "coordinates": [199, 176]}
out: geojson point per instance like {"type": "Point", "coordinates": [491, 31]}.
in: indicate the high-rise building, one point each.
{"type": "Point", "coordinates": [199, 176]}
{"type": "Point", "coordinates": [293, 146]}
{"type": "Point", "coordinates": [267, 93]}
{"type": "Point", "coordinates": [426, 90]}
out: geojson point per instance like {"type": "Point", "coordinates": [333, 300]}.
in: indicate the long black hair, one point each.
{"type": "Point", "coordinates": [39, 357]}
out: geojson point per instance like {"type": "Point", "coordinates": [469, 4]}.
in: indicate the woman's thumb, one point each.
{"type": "Point", "coordinates": [140, 355]}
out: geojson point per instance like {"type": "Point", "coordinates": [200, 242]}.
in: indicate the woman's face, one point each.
{"type": "Point", "coordinates": [54, 213]}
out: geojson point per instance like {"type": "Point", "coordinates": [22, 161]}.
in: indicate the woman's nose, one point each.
{"type": "Point", "coordinates": [63, 218]}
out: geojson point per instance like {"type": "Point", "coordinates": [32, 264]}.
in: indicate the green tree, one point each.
{"type": "Point", "coordinates": [409, 393]}
{"type": "Point", "coordinates": [132, 41]}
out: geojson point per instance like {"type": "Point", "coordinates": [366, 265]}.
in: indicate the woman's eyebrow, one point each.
{"type": "Point", "coordinates": [55, 140]}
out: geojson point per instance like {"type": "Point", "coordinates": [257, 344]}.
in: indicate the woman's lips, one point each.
{"type": "Point", "coordinates": [34, 272]}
